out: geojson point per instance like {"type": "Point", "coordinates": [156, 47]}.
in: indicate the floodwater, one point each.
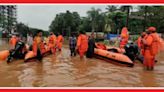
{"type": "Point", "coordinates": [61, 70]}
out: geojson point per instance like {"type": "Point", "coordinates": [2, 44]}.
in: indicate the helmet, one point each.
{"type": "Point", "coordinates": [152, 29]}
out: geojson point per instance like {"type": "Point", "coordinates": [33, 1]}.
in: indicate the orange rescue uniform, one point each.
{"type": "Point", "coordinates": [82, 44]}
{"type": "Point", "coordinates": [123, 42]}
{"type": "Point", "coordinates": [151, 49]}
{"type": "Point", "coordinates": [13, 42]}
{"type": "Point", "coordinates": [139, 42]}
{"type": "Point", "coordinates": [124, 37]}
{"type": "Point", "coordinates": [38, 44]}
{"type": "Point", "coordinates": [52, 43]}
{"type": "Point", "coordinates": [60, 40]}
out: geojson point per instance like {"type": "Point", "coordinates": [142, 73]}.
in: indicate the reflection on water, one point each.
{"type": "Point", "coordinates": [62, 70]}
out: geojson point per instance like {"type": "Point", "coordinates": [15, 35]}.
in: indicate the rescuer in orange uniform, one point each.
{"type": "Point", "coordinates": [60, 41]}
{"type": "Point", "coordinates": [140, 43]}
{"type": "Point", "coordinates": [13, 41]}
{"type": "Point", "coordinates": [52, 42]}
{"type": "Point", "coordinates": [124, 37]}
{"type": "Point", "coordinates": [151, 47]}
{"type": "Point", "coordinates": [38, 45]}
{"type": "Point", "coordinates": [82, 44]}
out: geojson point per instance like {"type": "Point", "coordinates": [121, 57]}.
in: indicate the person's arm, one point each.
{"type": "Point", "coordinates": [78, 42]}
{"type": "Point", "coordinates": [148, 41]}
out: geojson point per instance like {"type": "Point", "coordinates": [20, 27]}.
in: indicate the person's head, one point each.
{"type": "Point", "coordinates": [147, 31]}
{"type": "Point", "coordinates": [39, 33]}
{"type": "Point", "coordinates": [151, 29]}
{"type": "Point", "coordinates": [124, 28]}
{"type": "Point", "coordinates": [30, 34]}
{"type": "Point", "coordinates": [51, 33]}
{"type": "Point", "coordinates": [13, 36]}
{"type": "Point", "coordinates": [143, 34]}
{"type": "Point", "coordinates": [18, 35]}
{"type": "Point", "coordinates": [92, 35]}
{"type": "Point", "coordinates": [58, 33]}
{"type": "Point", "coordinates": [81, 32]}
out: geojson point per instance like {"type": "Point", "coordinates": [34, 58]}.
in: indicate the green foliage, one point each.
{"type": "Point", "coordinates": [134, 37]}
{"type": "Point", "coordinates": [115, 18]}
{"type": "Point", "coordinates": [65, 23]}
{"type": "Point", "coordinates": [153, 16]}
{"type": "Point", "coordinates": [24, 30]}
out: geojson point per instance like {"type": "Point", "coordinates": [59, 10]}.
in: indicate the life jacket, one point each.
{"type": "Point", "coordinates": [13, 41]}
{"type": "Point", "coordinates": [52, 39]}
{"type": "Point", "coordinates": [139, 42]}
{"type": "Point", "coordinates": [37, 40]}
{"type": "Point", "coordinates": [38, 44]}
{"type": "Point", "coordinates": [42, 48]}
{"type": "Point", "coordinates": [82, 42]}
{"type": "Point", "coordinates": [60, 38]}
{"type": "Point", "coordinates": [123, 42]}
{"type": "Point", "coordinates": [154, 47]}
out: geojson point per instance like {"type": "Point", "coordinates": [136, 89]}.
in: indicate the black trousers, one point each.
{"type": "Point", "coordinates": [73, 52]}
{"type": "Point", "coordinates": [39, 55]}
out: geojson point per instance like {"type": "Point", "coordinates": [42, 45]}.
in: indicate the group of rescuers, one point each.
{"type": "Point", "coordinates": [149, 44]}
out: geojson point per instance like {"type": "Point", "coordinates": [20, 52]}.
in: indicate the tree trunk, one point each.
{"type": "Point", "coordinates": [145, 18]}
{"type": "Point", "coordinates": [127, 18]}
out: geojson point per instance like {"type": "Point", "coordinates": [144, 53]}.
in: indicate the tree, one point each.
{"type": "Point", "coordinates": [153, 15]}
{"type": "Point", "coordinates": [65, 23]}
{"type": "Point", "coordinates": [127, 10]}
{"type": "Point", "coordinates": [22, 29]}
{"type": "Point", "coordinates": [93, 15]}
{"type": "Point", "coordinates": [111, 8]}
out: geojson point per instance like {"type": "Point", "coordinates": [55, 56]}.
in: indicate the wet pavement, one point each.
{"type": "Point", "coordinates": [61, 70]}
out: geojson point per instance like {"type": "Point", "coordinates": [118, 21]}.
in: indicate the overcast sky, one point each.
{"type": "Point", "coordinates": [40, 16]}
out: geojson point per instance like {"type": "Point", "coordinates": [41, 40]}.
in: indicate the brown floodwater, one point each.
{"type": "Point", "coordinates": [61, 70]}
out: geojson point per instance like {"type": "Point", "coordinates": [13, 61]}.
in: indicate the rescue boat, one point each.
{"type": "Point", "coordinates": [4, 54]}
{"type": "Point", "coordinates": [30, 56]}
{"type": "Point", "coordinates": [112, 54]}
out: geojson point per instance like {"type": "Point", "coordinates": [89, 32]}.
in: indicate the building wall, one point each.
{"type": "Point", "coordinates": [8, 18]}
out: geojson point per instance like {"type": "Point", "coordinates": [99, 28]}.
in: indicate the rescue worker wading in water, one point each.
{"type": "Point", "coordinates": [38, 45]}
{"type": "Point", "coordinates": [52, 42]}
{"type": "Point", "coordinates": [82, 44]}
{"type": "Point", "coordinates": [60, 41]}
{"type": "Point", "coordinates": [140, 46]}
{"type": "Point", "coordinates": [150, 48]}
{"type": "Point", "coordinates": [13, 41]}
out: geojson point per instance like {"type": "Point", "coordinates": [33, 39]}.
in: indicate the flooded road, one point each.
{"type": "Point", "coordinates": [62, 70]}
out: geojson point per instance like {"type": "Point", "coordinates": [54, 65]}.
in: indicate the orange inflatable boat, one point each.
{"type": "Point", "coordinates": [30, 56]}
{"type": "Point", "coordinates": [4, 54]}
{"type": "Point", "coordinates": [112, 54]}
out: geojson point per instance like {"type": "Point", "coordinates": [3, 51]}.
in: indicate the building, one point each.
{"type": "Point", "coordinates": [8, 19]}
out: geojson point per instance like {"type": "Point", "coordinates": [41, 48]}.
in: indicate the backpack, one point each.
{"type": "Point", "coordinates": [154, 48]}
